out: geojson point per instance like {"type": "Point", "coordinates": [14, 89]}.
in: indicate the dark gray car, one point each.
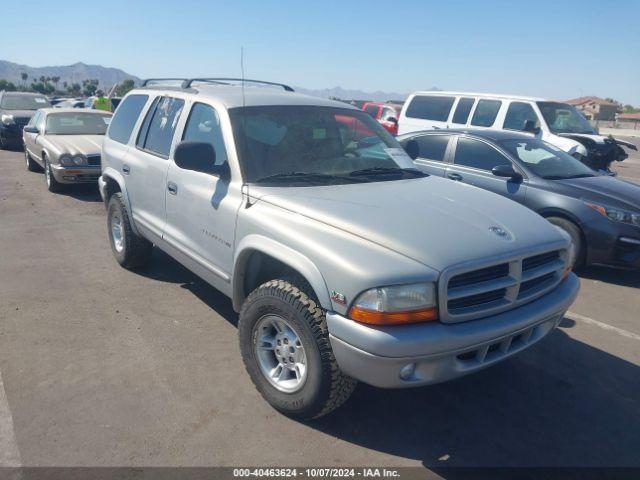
{"type": "Point", "coordinates": [600, 213]}
{"type": "Point", "coordinates": [16, 109]}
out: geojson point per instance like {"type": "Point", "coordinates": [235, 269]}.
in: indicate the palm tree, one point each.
{"type": "Point", "coordinates": [24, 77]}
{"type": "Point", "coordinates": [55, 79]}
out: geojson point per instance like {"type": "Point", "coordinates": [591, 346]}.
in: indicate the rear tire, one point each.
{"type": "Point", "coordinates": [130, 250]}
{"type": "Point", "coordinates": [52, 184]}
{"type": "Point", "coordinates": [322, 387]}
{"type": "Point", "coordinates": [576, 238]}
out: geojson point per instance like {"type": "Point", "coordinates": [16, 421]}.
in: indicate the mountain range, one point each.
{"type": "Point", "coordinates": [107, 77]}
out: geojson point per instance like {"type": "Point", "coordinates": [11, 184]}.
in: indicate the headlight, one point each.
{"type": "Point", "coordinates": [79, 160]}
{"type": "Point", "coordinates": [73, 160]}
{"type": "Point", "coordinates": [7, 119]}
{"type": "Point", "coordinates": [65, 160]}
{"type": "Point", "coordinates": [396, 305]}
{"type": "Point", "coordinates": [616, 214]}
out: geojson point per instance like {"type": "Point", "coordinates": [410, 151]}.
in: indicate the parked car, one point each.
{"type": "Point", "coordinates": [386, 114]}
{"type": "Point", "coordinates": [71, 103]}
{"type": "Point", "coordinates": [557, 123]}
{"type": "Point", "coordinates": [601, 214]}
{"type": "Point", "coordinates": [344, 261]}
{"type": "Point", "coordinates": [66, 144]}
{"type": "Point", "coordinates": [16, 109]}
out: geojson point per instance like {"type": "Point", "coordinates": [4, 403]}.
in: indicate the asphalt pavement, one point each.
{"type": "Point", "coordinates": [100, 366]}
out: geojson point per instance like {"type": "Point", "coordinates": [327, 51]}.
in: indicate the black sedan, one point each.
{"type": "Point", "coordinates": [599, 212]}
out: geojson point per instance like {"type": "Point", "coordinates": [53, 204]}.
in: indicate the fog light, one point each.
{"type": "Point", "coordinates": [407, 371]}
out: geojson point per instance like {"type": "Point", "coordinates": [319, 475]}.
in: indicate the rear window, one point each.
{"type": "Point", "coordinates": [461, 115]}
{"type": "Point", "coordinates": [23, 102]}
{"type": "Point", "coordinates": [125, 118]}
{"type": "Point", "coordinates": [430, 108]}
{"type": "Point", "coordinates": [486, 113]}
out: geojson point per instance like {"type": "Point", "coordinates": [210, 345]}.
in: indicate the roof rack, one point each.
{"type": "Point", "coordinates": [225, 81]}
{"type": "Point", "coordinates": [149, 81]}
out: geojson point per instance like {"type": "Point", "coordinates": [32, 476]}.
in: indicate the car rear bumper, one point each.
{"type": "Point", "coordinates": [422, 354]}
{"type": "Point", "coordinates": [75, 174]}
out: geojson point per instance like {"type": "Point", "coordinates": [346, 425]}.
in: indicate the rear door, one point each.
{"type": "Point", "coordinates": [485, 113]}
{"type": "Point", "coordinates": [473, 160]}
{"type": "Point", "coordinates": [146, 166]}
{"type": "Point", "coordinates": [461, 112]}
{"type": "Point", "coordinates": [431, 151]}
{"type": "Point", "coordinates": [30, 138]}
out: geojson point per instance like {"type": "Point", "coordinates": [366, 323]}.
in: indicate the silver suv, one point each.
{"type": "Point", "coordinates": [344, 262]}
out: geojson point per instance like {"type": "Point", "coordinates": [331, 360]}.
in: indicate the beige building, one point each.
{"type": "Point", "coordinates": [596, 108]}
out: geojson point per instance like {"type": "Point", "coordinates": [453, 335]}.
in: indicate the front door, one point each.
{"type": "Point", "coordinates": [473, 161]}
{"type": "Point", "coordinates": [201, 208]}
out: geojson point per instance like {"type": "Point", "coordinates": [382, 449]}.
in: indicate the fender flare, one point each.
{"type": "Point", "coordinates": [112, 174]}
{"type": "Point", "coordinates": [288, 256]}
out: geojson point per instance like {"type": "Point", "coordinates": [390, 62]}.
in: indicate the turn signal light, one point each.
{"type": "Point", "coordinates": [406, 317]}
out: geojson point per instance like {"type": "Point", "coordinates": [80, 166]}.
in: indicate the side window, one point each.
{"type": "Point", "coordinates": [477, 154]}
{"type": "Point", "coordinates": [430, 108]}
{"type": "Point", "coordinates": [372, 110]}
{"type": "Point", "coordinates": [517, 114]}
{"type": "Point", "coordinates": [486, 113]}
{"type": "Point", "coordinates": [432, 147]}
{"type": "Point", "coordinates": [461, 115]}
{"type": "Point", "coordinates": [203, 125]}
{"type": "Point", "coordinates": [125, 118]}
{"type": "Point", "coordinates": [161, 126]}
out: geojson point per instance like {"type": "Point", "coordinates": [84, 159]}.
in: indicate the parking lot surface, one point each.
{"type": "Point", "coordinates": [100, 366]}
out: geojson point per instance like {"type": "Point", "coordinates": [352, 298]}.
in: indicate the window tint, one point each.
{"type": "Point", "coordinates": [162, 126]}
{"type": "Point", "coordinates": [477, 154]}
{"type": "Point", "coordinates": [432, 147]}
{"type": "Point", "coordinates": [461, 115]}
{"type": "Point", "coordinates": [125, 118]}
{"type": "Point", "coordinates": [372, 110]}
{"type": "Point", "coordinates": [486, 113]}
{"type": "Point", "coordinates": [144, 128]}
{"type": "Point", "coordinates": [430, 108]}
{"type": "Point", "coordinates": [517, 114]}
{"type": "Point", "coordinates": [204, 126]}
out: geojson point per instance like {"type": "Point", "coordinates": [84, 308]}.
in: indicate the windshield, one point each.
{"type": "Point", "coordinates": [311, 144]}
{"type": "Point", "coordinates": [77, 123]}
{"type": "Point", "coordinates": [545, 160]}
{"type": "Point", "coordinates": [24, 102]}
{"type": "Point", "coordinates": [564, 118]}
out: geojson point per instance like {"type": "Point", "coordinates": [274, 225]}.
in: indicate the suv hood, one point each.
{"type": "Point", "coordinates": [603, 189]}
{"type": "Point", "coordinates": [432, 220]}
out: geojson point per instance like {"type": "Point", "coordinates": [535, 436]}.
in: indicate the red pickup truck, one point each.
{"type": "Point", "coordinates": [386, 114]}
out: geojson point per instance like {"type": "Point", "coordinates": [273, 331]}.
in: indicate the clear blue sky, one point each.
{"type": "Point", "coordinates": [555, 49]}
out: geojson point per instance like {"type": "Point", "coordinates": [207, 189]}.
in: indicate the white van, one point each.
{"type": "Point", "coordinates": [557, 123]}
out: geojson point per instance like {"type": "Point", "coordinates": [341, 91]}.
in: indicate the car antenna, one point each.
{"type": "Point", "coordinates": [244, 123]}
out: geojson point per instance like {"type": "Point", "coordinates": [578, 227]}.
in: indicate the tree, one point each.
{"type": "Point", "coordinates": [7, 86]}
{"type": "Point", "coordinates": [630, 109]}
{"type": "Point", "coordinates": [42, 87]}
{"type": "Point", "coordinates": [65, 84]}
{"type": "Point", "coordinates": [55, 80]}
{"type": "Point", "coordinates": [24, 77]}
{"type": "Point", "coordinates": [89, 87]}
{"type": "Point", "coordinates": [123, 88]}
{"type": "Point", "coordinates": [75, 89]}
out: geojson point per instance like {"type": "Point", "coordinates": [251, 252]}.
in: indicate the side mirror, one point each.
{"type": "Point", "coordinates": [200, 157]}
{"type": "Point", "coordinates": [530, 126]}
{"type": "Point", "coordinates": [507, 171]}
{"type": "Point", "coordinates": [30, 129]}
{"type": "Point", "coordinates": [392, 120]}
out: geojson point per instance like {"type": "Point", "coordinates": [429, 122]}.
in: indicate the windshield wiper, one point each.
{"type": "Point", "coordinates": [302, 176]}
{"type": "Point", "coordinates": [387, 171]}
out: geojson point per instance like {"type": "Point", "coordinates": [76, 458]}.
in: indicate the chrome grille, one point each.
{"type": "Point", "coordinates": [502, 285]}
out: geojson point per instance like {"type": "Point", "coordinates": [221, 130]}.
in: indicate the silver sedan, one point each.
{"type": "Point", "coordinates": [66, 144]}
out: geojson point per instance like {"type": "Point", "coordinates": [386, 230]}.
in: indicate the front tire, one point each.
{"type": "Point", "coordinates": [130, 250]}
{"type": "Point", "coordinates": [576, 238]}
{"type": "Point", "coordinates": [32, 166]}
{"type": "Point", "coordinates": [52, 184]}
{"type": "Point", "coordinates": [285, 347]}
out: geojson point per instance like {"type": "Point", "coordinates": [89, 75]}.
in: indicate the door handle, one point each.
{"type": "Point", "coordinates": [125, 169]}
{"type": "Point", "coordinates": [455, 176]}
{"type": "Point", "coordinates": [173, 188]}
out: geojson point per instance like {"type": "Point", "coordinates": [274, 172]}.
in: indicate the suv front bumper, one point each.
{"type": "Point", "coordinates": [422, 354]}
